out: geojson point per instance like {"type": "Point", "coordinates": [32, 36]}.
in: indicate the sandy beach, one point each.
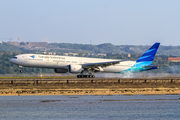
{"type": "Point", "coordinates": [126, 91]}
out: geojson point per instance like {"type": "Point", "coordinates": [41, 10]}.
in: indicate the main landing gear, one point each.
{"type": "Point", "coordinates": [88, 74]}
{"type": "Point", "coordinates": [85, 76]}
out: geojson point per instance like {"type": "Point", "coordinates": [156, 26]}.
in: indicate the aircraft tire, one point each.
{"type": "Point", "coordinates": [20, 71]}
{"type": "Point", "coordinates": [85, 76]}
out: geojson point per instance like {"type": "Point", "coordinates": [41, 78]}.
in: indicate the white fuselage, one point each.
{"type": "Point", "coordinates": [58, 62]}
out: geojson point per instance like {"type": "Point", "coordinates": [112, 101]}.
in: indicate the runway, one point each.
{"type": "Point", "coordinates": [39, 80]}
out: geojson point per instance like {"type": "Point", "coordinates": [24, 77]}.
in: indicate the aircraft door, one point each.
{"type": "Point", "coordinates": [47, 60]}
{"type": "Point", "coordinates": [80, 61]}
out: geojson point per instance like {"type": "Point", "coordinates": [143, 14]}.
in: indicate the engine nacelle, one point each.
{"type": "Point", "coordinates": [75, 68]}
{"type": "Point", "coordinates": [61, 70]}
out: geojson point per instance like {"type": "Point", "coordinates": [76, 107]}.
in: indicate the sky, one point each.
{"type": "Point", "coordinates": [120, 22]}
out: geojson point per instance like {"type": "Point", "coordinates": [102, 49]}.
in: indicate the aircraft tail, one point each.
{"type": "Point", "coordinates": [147, 58]}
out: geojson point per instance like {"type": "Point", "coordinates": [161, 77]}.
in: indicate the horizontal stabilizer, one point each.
{"type": "Point", "coordinates": [150, 67]}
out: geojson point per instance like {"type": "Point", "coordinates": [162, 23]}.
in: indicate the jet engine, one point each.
{"type": "Point", "coordinates": [75, 68]}
{"type": "Point", "coordinates": [60, 70]}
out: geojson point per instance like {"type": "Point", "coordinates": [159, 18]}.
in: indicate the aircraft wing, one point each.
{"type": "Point", "coordinates": [100, 64]}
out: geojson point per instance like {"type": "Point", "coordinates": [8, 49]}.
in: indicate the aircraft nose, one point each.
{"type": "Point", "coordinates": [11, 60]}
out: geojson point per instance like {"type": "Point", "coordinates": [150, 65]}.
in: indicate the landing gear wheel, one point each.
{"type": "Point", "coordinates": [20, 71]}
{"type": "Point", "coordinates": [85, 76]}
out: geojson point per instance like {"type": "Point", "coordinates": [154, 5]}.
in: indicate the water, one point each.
{"type": "Point", "coordinates": [116, 107]}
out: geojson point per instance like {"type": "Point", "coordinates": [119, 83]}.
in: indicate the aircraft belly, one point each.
{"type": "Point", "coordinates": [30, 64]}
{"type": "Point", "coordinates": [58, 65]}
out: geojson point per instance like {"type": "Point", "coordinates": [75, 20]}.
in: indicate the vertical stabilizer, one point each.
{"type": "Point", "coordinates": [148, 56]}
{"type": "Point", "coordinates": [145, 61]}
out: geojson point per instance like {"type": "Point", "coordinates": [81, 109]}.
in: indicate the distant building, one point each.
{"type": "Point", "coordinates": [70, 54]}
{"type": "Point", "coordinates": [129, 55]}
{"type": "Point", "coordinates": [73, 54]}
{"type": "Point", "coordinates": [65, 54]}
{"type": "Point", "coordinates": [102, 54]}
{"type": "Point", "coordinates": [174, 59]}
{"type": "Point", "coordinates": [88, 54]}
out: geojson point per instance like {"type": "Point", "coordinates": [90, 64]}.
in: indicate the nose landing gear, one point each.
{"type": "Point", "coordinates": [21, 69]}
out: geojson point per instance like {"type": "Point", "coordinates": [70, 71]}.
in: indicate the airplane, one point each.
{"type": "Point", "coordinates": [86, 67]}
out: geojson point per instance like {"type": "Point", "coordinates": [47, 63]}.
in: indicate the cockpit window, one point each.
{"type": "Point", "coordinates": [14, 57]}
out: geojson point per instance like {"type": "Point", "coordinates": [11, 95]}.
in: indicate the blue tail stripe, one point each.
{"type": "Point", "coordinates": [149, 58]}
{"type": "Point", "coordinates": [150, 52]}
{"type": "Point", "coordinates": [142, 57]}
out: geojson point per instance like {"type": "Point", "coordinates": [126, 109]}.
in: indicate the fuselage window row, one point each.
{"type": "Point", "coordinates": [36, 59]}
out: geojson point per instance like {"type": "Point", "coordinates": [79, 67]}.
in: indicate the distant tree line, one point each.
{"type": "Point", "coordinates": [116, 49]}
